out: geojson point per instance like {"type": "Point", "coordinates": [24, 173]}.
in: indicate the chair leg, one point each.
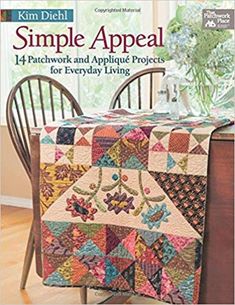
{"type": "Point", "coordinates": [27, 259]}
{"type": "Point", "coordinates": [83, 295]}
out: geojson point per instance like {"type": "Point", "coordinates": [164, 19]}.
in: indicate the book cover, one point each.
{"type": "Point", "coordinates": [160, 59]}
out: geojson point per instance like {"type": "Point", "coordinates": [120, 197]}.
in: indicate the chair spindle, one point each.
{"type": "Point", "coordinates": [21, 127]}
{"type": "Point", "coordinates": [62, 103]}
{"type": "Point", "coordinates": [139, 93]}
{"type": "Point", "coordinates": [119, 101]}
{"type": "Point", "coordinates": [24, 110]}
{"type": "Point", "coordinates": [72, 110]}
{"type": "Point", "coordinates": [126, 85]}
{"type": "Point", "coordinates": [18, 135]}
{"type": "Point", "coordinates": [151, 91]}
{"type": "Point", "coordinates": [52, 102]}
{"type": "Point", "coordinates": [129, 96]}
{"type": "Point", "coordinates": [41, 102]}
{"type": "Point", "coordinates": [32, 103]}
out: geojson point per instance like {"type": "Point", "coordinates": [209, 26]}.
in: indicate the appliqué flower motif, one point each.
{"type": "Point", "coordinates": [119, 202]}
{"type": "Point", "coordinates": [78, 207]}
{"type": "Point", "coordinates": [155, 216]}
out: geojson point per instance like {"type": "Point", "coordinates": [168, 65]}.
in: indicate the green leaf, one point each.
{"type": "Point", "coordinates": [173, 26]}
{"type": "Point", "coordinates": [80, 191]}
{"type": "Point", "coordinates": [209, 77]}
{"type": "Point", "coordinates": [179, 15]}
{"type": "Point", "coordinates": [162, 53]}
{"type": "Point", "coordinates": [157, 198]}
{"type": "Point", "coordinates": [130, 190]}
{"type": "Point", "coordinates": [108, 188]}
{"type": "Point", "coordinates": [100, 205]}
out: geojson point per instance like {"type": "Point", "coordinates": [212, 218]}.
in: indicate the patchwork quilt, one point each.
{"type": "Point", "coordinates": [123, 200]}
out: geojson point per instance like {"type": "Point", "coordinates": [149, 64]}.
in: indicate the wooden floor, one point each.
{"type": "Point", "coordinates": [15, 224]}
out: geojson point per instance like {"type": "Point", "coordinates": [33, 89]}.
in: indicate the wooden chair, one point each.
{"type": "Point", "coordinates": [33, 102]}
{"type": "Point", "coordinates": [124, 96]}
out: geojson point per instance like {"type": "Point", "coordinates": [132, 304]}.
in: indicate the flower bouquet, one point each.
{"type": "Point", "coordinates": [204, 56]}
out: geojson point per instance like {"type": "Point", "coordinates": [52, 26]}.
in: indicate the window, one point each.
{"type": "Point", "coordinates": [12, 73]}
{"type": "Point", "coordinates": [93, 92]}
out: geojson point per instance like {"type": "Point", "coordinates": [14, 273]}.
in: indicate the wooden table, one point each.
{"type": "Point", "coordinates": [217, 283]}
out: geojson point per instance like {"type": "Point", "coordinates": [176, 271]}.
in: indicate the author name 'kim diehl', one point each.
{"type": "Point", "coordinates": [44, 15]}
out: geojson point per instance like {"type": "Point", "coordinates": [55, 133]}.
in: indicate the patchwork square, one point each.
{"type": "Point", "coordinates": [134, 155]}
{"type": "Point", "coordinates": [179, 142]}
{"type": "Point", "coordinates": [65, 135]}
{"type": "Point", "coordinates": [64, 154]}
{"type": "Point", "coordinates": [128, 150]}
{"type": "Point", "coordinates": [82, 155]}
{"type": "Point", "coordinates": [47, 155]}
{"type": "Point", "coordinates": [83, 136]}
{"type": "Point", "coordinates": [158, 161]}
{"type": "Point", "coordinates": [197, 164]}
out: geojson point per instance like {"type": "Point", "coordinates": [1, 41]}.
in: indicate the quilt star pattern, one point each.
{"type": "Point", "coordinates": [123, 200]}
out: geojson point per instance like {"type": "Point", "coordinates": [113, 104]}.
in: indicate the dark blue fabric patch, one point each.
{"type": "Point", "coordinates": [65, 136]}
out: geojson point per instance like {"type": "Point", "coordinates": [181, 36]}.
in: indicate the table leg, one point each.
{"type": "Point", "coordinates": [83, 295]}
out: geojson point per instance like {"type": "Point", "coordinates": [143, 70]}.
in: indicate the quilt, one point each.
{"type": "Point", "coordinates": [123, 200]}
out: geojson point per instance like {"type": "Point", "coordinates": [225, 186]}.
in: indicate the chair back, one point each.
{"type": "Point", "coordinates": [124, 96]}
{"type": "Point", "coordinates": [33, 102]}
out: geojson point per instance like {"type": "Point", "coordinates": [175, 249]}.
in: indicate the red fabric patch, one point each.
{"type": "Point", "coordinates": [179, 142]}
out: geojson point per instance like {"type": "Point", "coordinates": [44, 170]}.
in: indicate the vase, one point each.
{"type": "Point", "coordinates": [201, 91]}
{"type": "Point", "coordinates": [205, 100]}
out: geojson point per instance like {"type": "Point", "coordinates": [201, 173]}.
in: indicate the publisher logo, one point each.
{"type": "Point", "coordinates": [215, 19]}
